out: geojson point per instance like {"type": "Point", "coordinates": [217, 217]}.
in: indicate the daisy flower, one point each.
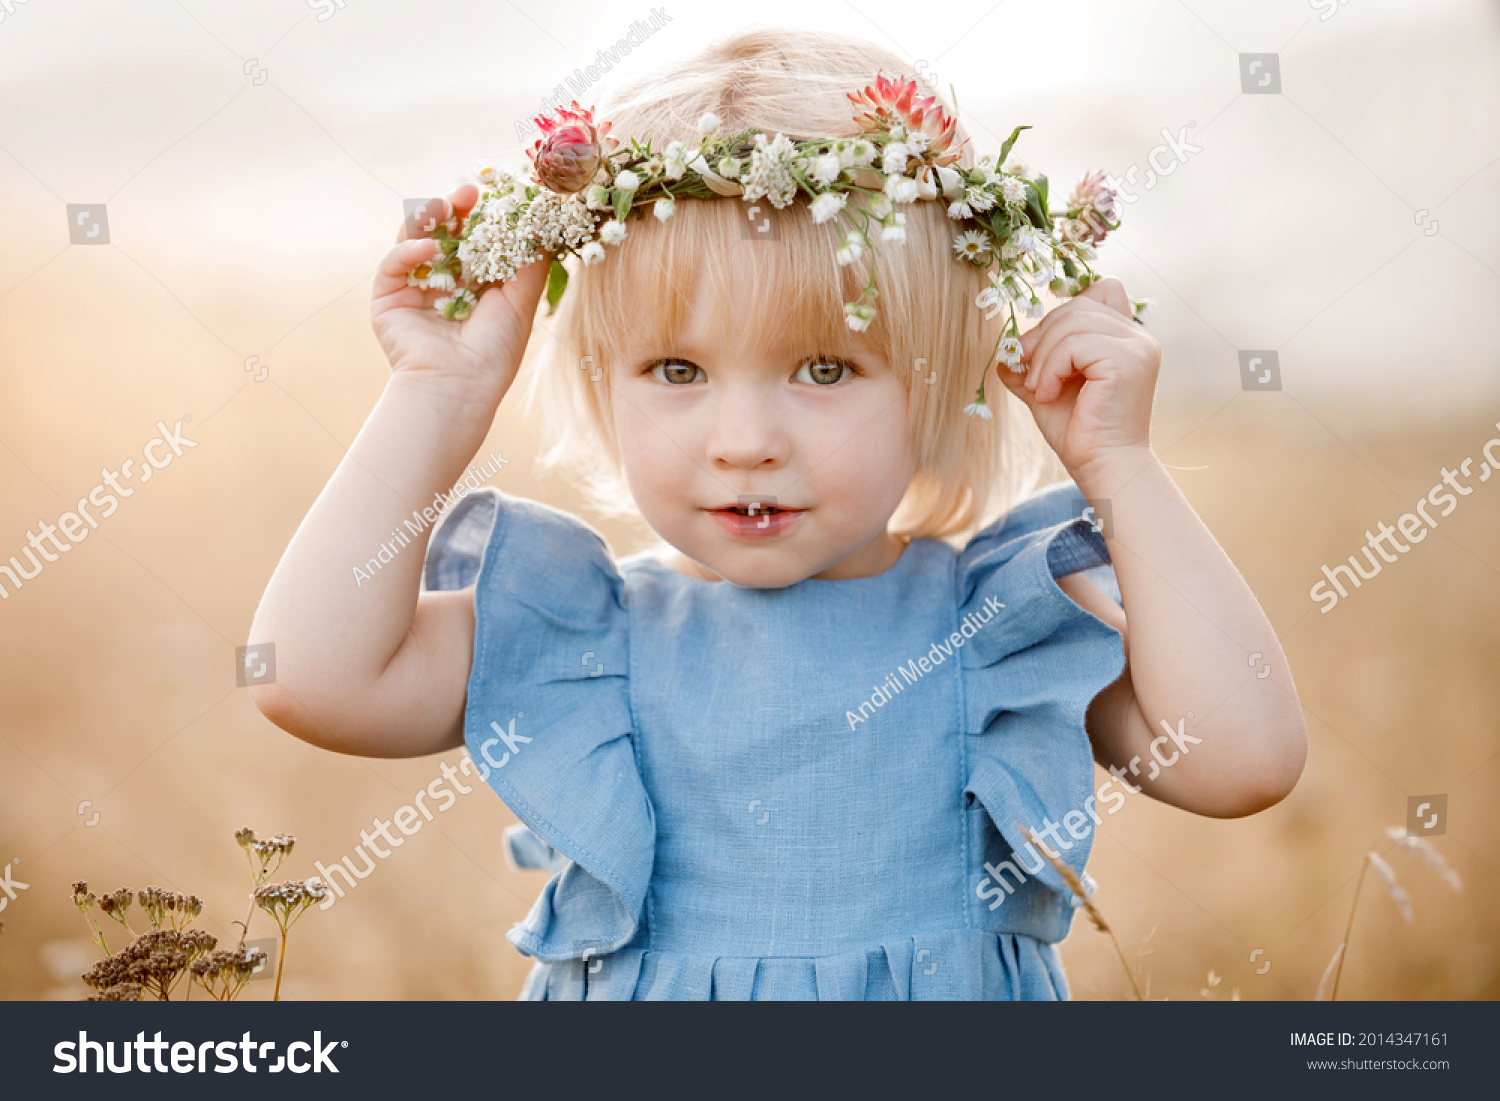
{"type": "Point", "coordinates": [979, 198]}
{"type": "Point", "coordinates": [895, 229]}
{"type": "Point", "coordinates": [1013, 190]}
{"type": "Point", "coordinates": [979, 409]}
{"type": "Point", "coordinates": [959, 210]}
{"type": "Point", "coordinates": [972, 245]}
{"type": "Point", "coordinates": [1010, 353]}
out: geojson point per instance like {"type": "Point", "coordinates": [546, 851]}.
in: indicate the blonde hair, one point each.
{"type": "Point", "coordinates": [969, 471]}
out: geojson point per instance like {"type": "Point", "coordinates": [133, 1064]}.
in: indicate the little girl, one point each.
{"type": "Point", "coordinates": [810, 745]}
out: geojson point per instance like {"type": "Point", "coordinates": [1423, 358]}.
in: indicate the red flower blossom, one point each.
{"type": "Point", "coordinates": [888, 102]}
{"type": "Point", "coordinates": [568, 153]}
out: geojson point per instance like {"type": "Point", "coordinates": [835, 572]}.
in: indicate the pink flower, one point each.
{"type": "Point", "coordinates": [888, 102]}
{"type": "Point", "coordinates": [1098, 210]}
{"type": "Point", "coordinates": [568, 153]}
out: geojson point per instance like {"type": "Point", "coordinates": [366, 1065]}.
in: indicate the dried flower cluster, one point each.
{"type": "Point", "coordinates": [585, 183]}
{"type": "Point", "coordinates": [156, 961]}
{"type": "Point", "coordinates": [224, 970]}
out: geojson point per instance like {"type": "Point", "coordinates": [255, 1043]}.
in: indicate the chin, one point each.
{"type": "Point", "coordinates": [773, 571]}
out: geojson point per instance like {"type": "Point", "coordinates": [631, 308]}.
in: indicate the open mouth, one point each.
{"type": "Point", "coordinates": [757, 510]}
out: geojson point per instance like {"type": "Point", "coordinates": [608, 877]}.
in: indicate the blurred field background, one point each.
{"type": "Point", "coordinates": [245, 219]}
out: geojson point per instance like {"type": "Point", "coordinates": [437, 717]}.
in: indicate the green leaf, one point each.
{"type": "Point", "coordinates": [1070, 269]}
{"type": "Point", "coordinates": [622, 203]}
{"type": "Point", "coordinates": [1005, 149]}
{"type": "Point", "coordinates": [1036, 203]}
{"type": "Point", "coordinates": [557, 282]}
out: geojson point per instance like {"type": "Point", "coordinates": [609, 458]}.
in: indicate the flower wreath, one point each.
{"type": "Point", "coordinates": [584, 184]}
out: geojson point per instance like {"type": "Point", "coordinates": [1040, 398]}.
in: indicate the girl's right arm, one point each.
{"type": "Point", "coordinates": [372, 666]}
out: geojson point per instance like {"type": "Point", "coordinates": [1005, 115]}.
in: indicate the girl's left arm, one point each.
{"type": "Point", "coordinates": [1205, 715]}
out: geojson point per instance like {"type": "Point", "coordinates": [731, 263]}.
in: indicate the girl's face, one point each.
{"type": "Point", "coordinates": [737, 413]}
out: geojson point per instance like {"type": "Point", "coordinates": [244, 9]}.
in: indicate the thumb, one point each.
{"type": "Point", "coordinates": [1015, 382]}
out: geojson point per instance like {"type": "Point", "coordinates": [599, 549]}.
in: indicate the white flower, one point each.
{"type": "Point", "coordinates": [433, 280]}
{"type": "Point", "coordinates": [881, 207]}
{"type": "Point", "coordinates": [729, 168]}
{"type": "Point", "coordinates": [498, 208]}
{"type": "Point", "coordinates": [1143, 307]}
{"type": "Point", "coordinates": [959, 210]}
{"type": "Point", "coordinates": [898, 132]}
{"type": "Point", "coordinates": [1013, 190]}
{"type": "Point", "coordinates": [862, 151]}
{"type": "Point", "coordinates": [770, 174]}
{"type": "Point", "coordinates": [1018, 167]}
{"type": "Point", "coordinates": [612, 232]}
{"type": "Point", "coordinates": [971, 244]}
{"type": "Point", "coordinates": [978, 409]}
{"type": "Point", "coordinates": [893, 161]}
{"type": "Point", "coordinates": [826, 169]}
{"type": "Point", "coordinates": [851, 250]}
{"type": "Point", "coordinates": [598, 197]}
{"type": "Point", "coordinates": [989, 297]}
{"type": "Point", "coordinates": [895, 229]}
{"type": "Point", "coordinates": [979, 198]}
{"type": "Point", "coordinates": [1029, 307]}
{"type": "Point", "coordinates": [1010, 352]}
{"type": "Point", "coordinates": [826, 206]}
{"type": "Point", "coordinates": [858, 317]}
{"type": "Point", "coordinates": [901, 189]}
{"type": "Point", "coordinates": [708, 124]}
{"type": "Point", "coordinates": [917, 141]}
{"type": "Point", "coordinates": [664, 208]}
{"type": "Point", "coordinates": [627, 180]}
{"type": "Point", "coordinates": [592, 252]}
{"type": "Point", "coordinates": [673, 164]}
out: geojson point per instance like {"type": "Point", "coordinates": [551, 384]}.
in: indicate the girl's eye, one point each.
{"type": "Point", "coordinates": [675, 374]}
{"type": "Point", "coordinates": [824, 372]}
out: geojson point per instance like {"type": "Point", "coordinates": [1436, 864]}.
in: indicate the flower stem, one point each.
{"type": "Point", "coordinates": [1339, 970]}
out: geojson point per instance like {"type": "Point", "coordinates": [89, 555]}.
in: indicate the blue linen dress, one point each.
{"type": "Point", "coordinates": [786, 793]}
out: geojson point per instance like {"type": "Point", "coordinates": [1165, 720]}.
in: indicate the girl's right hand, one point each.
{"type": "Point", "coordinates": [469, 360]}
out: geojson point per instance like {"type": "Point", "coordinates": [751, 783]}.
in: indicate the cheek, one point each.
{"type": "Point", "coordinates": [867, 456]}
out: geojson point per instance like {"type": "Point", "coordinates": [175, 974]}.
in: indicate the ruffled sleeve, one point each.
{"type": "Point", "coordinates": [548, 717]}
{"type": "Point", "coordinates": [1030, 673]}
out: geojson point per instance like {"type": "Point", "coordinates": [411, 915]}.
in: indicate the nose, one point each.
{"type": "Point", "coordinates": [747, 431]}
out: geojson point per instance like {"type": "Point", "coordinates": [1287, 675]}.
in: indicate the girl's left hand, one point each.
{"type": "Point", "coordinates": [1090, 378]}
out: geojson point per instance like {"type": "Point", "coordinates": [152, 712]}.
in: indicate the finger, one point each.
{"type": "Point", "coordinates": [1088, 316]}
{"type": "Point", "coordinates": [1015, 382]}
{"type": "Point", "coordinates": [1031, 337]}
{"type": "Point", "coordinates": [427, 217]}
{"type": "Point", "coordinates": [397, 263]}
{"type": "Point", "coordinates": [1072, 357]}
{"type": "Point", "coordinates": [1111, 292]}
{"type": "Point", "coordinates": [462, 200]}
